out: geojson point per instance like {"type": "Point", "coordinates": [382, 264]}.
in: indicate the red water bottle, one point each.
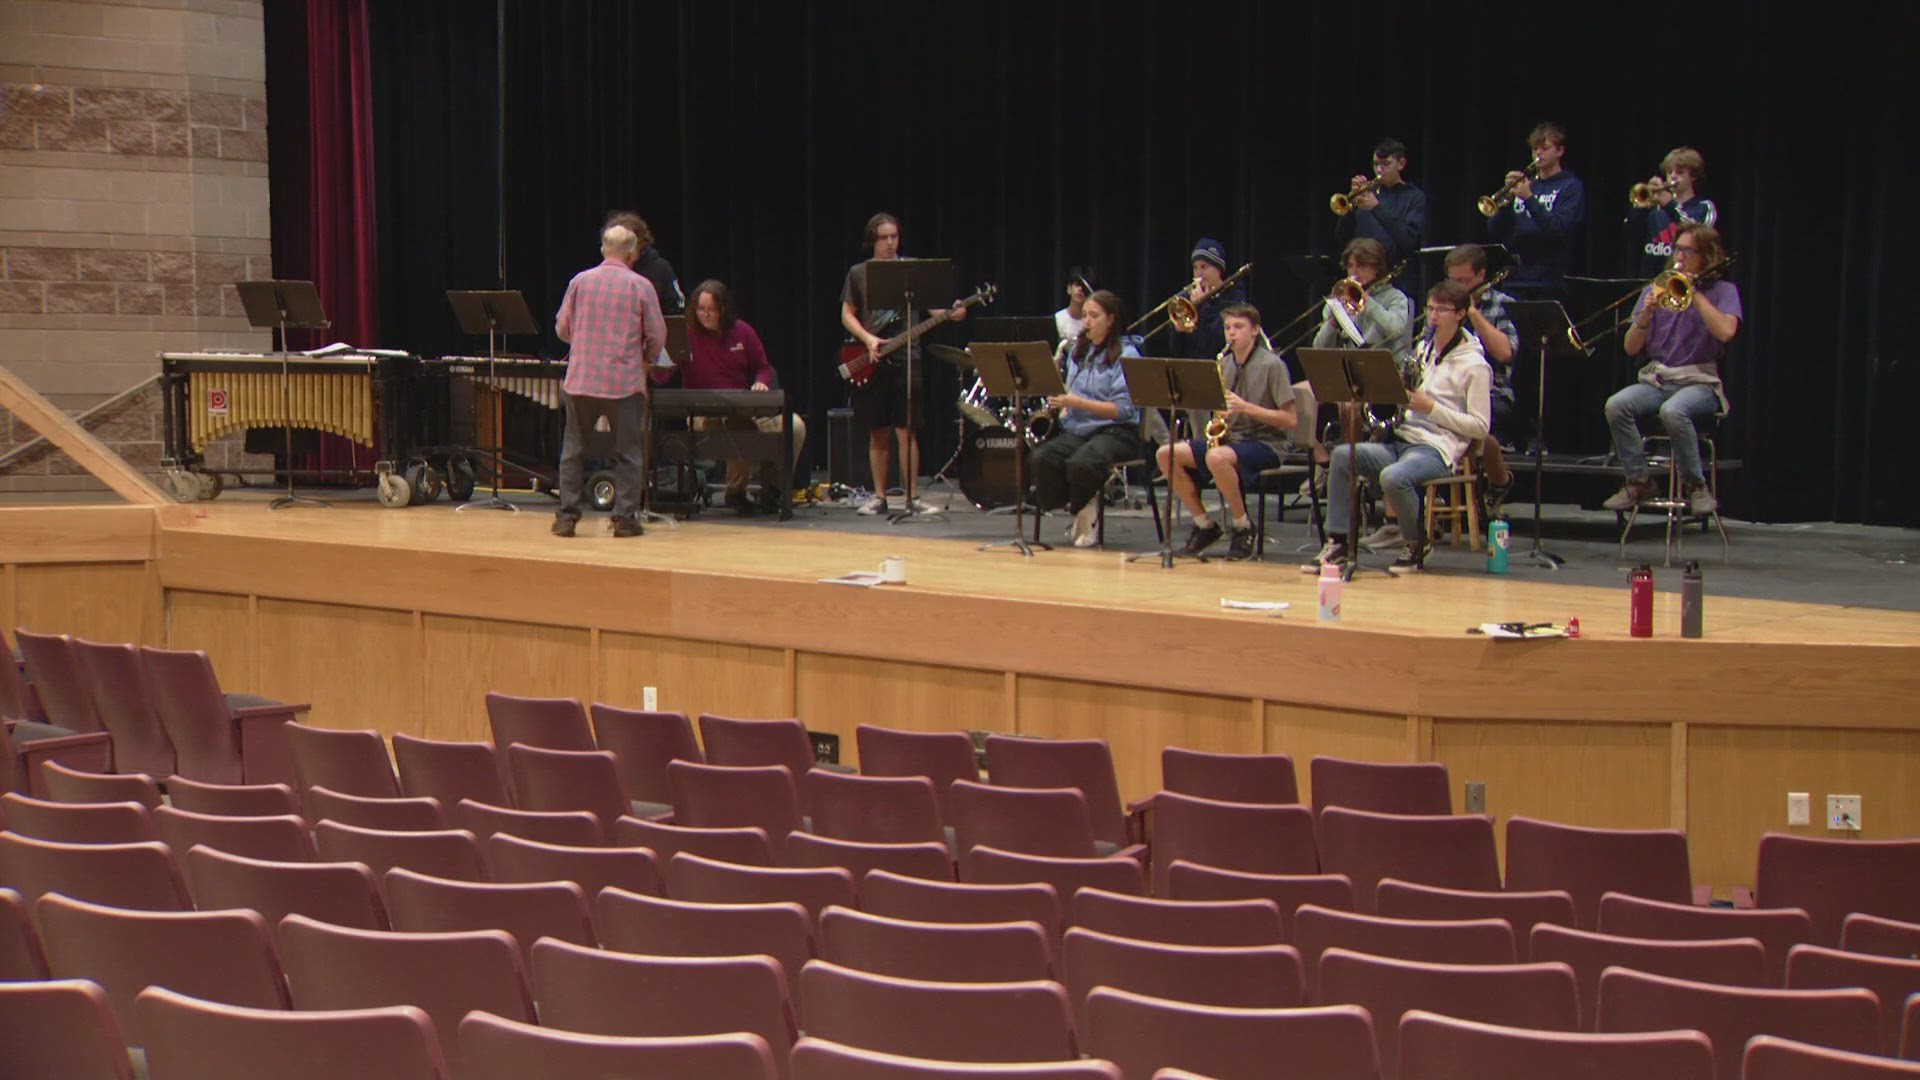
{"type": "Point", "coordinates": [1640, 619]}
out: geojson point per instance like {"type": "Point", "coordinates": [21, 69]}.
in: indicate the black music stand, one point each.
{"type": "Point", "coordinates": [901, 283]}
{"type": "Point", "coordinates": [1161, 383]}
{"type": "Point", "coordinates": [1543, 325]}
{"type": "Point", "coordinates": [285, 304]}
{"type": "Point", "coordinates": [1018, 370]}
{"type": "Point", "coordinates": [1014, 328]}
{"type": "Point", "coordinates": [495, 313]}
{"type": "Point", "coordinates": [1364, 377]}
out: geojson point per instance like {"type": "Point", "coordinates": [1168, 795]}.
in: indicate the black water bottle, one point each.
{"type": "Point", "coordinates": [1692, 600]}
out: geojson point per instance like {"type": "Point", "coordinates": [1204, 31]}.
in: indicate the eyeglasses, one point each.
{"type": "Point", "coordinates": [1686, 249]}
{"type": "Point", "coordinates": [1433, 310]}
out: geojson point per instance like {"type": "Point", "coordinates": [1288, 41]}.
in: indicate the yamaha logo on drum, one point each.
{"type": "Point", "coordinates": [998, 440]}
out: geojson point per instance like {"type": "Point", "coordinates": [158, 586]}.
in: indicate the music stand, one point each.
{"type": "Point", "coordinates": [901, 283]}
{"type": "Point", "coordinates": [495, 313]}
{"type": "Point", "coordinates": [1543, 325]}
{"type": "Point", "coordinates": [1014, 328]}
{"type": "Point", "coordinates": [1160, 383]}
{"type": "Point", "coordinates": [1364, 377]}
{"type": "Point", "coordinates": [1018, 370]}
{"type": "Point", "coordinates": [285, 304]}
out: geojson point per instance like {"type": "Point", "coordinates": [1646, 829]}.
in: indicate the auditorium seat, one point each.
{"type": "Point", "coordinates": [1437, 1047]}
{"type": "Point", "coordinates": [224, 956]}
{"type": "Point", "coordinates": [820, 1059]}
{"type": "Point", "coordinates": [983, 865]}
{"type": "Point", "coordinates": [899, 897]}
{"type": "Point", "coordinates": [1462, 941]}
{"type": "Point", "coordinates": [233, 800]}
{"type": "Point", "coordinates": [514, 858]}
{"type": "Point", "coordinates": [745, 845]}
{"type": "Point", "coordinates": [1778, 929]}
{"type": "Point", "coordinates": [1880, 936]}
{"type": "Point", "coordinates": [874, 809]}
{"type": "Point", "coordinates": [20, 763]}
{"type": "Point", "coordinates": [139, 876]}
{"type": "Point", "coordinates": [340, 893]}
{"type": "Point", "coordinates": [21, 957]}
{"type": "Point", "coordinates": [1730, 1015]}
{"type": "Point", "coordinates": [64, 1029]}
{"type": "Point", "coordinates": [1017, 761]}
{"type": "Point", "coordinates": [193, 1039]}
{"type": "Point", "coordinates": [392, 814]}
{"type": "Point", "coordinates": [561, 780]}
{"type": "Point", "coordinates": [277, 839]}
{"type": "Point", "coordinates": [1192, 881]}
{"type": "Point", "coordinates": [218, 738]}
{"type": "Point", "coordinates": [445, 975]}
{"type": "Point", "coordinates": [1770, 1058]}
{"type": "Point", "coordinates": [630, 922]}
{"type": "Point", "coordinates": [1247, 976]}
{"type": "Point", "coordinates": [449, 771]}
{"type": "Point", "coordinates": [1451, 851]}
{"type": "Point", "coordinates": [122, 694]}
{"type": "Point", "coordinates": [422, 904]}
{"type": "Point", "coordinates": [1419, 787]}
{"type": "Point", "coordinates": [1032, 821]}
{"type": "Point", "coordinates": [1910, 1030]}
{"type": "Point", "coordinates": [943, 952]}
{"type": "Point", "coordinates": [18, 702]}
{"type": "Point", "coordinates": [707, 881]}
{"type": "Point", "coordinates": [576, 827]}
{"type": "Point", "coordinates": [1588, 863]}
{"type": "Point", "coordinates": [747, 743]}
{"type": "Point", "coordinates": [1830, 879]}
{"type": "Point", "coordinates": [1247, 837]}
{"type": "Point", "coordinates": [500, 1049]}
{"type": "Point", "coordinates": [1541, 996]}
{"type": "Point", "coordinates": [611, 993]}
{"type": "Point", "coordinates": [62, 784]}
{"type": "Point", "coordinates": [554, 723]}
{"type": "Point", "coordinates": [947, 1021]}
{"type": "Point", "coordinates": [1177, 922]}
{"type": "Point", "coordinates": [59, 681]}
{"type": "Point", "coordinates": [1141, 1034]}
{"type": "Point", "coordinates": [1522, 910]}
{"type": "Point", "coordinates": [931, 860]}
{"type": "Point", "coordinates": [1728, 962]}
{"type": "Point", "coordinates": [76, 823]}
{"type": "Point", "coordinates": [1266, 779]}
{"type": "Point", "coordinates": [940, 756]}
{"type": "Point", "coordinates": [643, 743]}
{"type": "Point", "coordinates": [452, 853]}
{"type": "Point", "coordinates": [1892, 980]}
{"type": "Point", "coordinates": [735, 796]}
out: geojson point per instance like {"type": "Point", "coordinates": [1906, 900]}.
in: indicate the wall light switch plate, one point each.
{"type": "Point", "coordinates": [1843, 813]}
{"type": "Point", "coordinates": [650, 699]}
{"type": "Point", "coordinates": [1799, 808]}
{"type": "Point", "coordinates": [1476, 800]}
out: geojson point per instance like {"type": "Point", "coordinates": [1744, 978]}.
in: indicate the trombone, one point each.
{"type": "Point", "coordinates": [1473, 295]}
{"type": "Point", "coordinates": [1349, 293]}
{"type": "Point", "coordinates": [1672, 289]}
{"type": "Point", "coordinates": [1491, 204]}
{"type": "Point", "coordinates": [1182, 313]}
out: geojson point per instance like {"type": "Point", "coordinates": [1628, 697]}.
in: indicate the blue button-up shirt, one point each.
{"type": "Point", "coordinates": [1098, 382]}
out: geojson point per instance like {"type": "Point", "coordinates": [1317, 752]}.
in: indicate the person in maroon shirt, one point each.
{"type": "Point", "coordinates": [724, 353]}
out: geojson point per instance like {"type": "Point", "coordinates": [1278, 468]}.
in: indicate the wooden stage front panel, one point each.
{"type": "Point", "coordinates": [402, 622]}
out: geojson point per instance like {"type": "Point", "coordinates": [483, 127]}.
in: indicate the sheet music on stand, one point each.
{"type": "Point", "coordinates": [286, 304]}
{"type": "Point", "coordinates": [1172, 385]}
{"type": "Point", "coordinates": [1018, 371]}
{"type": "Point", "coordinates": [1360, 377]}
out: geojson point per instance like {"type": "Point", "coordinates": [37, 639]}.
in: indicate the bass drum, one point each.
{"type": "Point", "coordinates": [986, 467]}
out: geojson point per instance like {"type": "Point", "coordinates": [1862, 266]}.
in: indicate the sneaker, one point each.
{"type": "Point", "coordinates": [1497, 497]}
{"type": "Point", "coordinates": [1383, 538]}
{"type": "Point", "coordinates": [1413, 555]}
{"type": "Point", "coordinates": [1629, 495]}
{"type": "Point", "coordinates": [1083, 532]}
{"type": "Point", "coordinates": [1334, 552]}
{"type": "Point", "coordinates": [626, 526]}
{"type": "Point", "coordinates": [564, 524]}
{"type": "Point", "coordinates": [1201, 538]}
{"type": "Point", "coordinates": [1240, 548]}
{"type": "Point", "coordinates": [873, 506]}
{"type": "Point", "coordinates": [920, 506]}
{"type": "Point", "coordinates": [1700, 501]}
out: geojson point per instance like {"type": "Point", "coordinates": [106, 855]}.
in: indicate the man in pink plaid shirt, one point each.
{"type": "Point", "coordinates": [611, 318]}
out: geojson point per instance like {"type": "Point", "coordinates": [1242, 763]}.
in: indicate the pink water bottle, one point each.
{"type": "Point", "coordinates": [1640, 618]}
{"type": "Point", "coordinates": [1330, 583]}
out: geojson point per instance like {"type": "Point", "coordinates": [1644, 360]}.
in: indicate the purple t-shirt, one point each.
{"type": "Point", "coordinates": [1680, 338]}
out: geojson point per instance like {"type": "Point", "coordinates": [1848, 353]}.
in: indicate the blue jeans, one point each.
{"type": "Point", "coordinates": [1678, 408]}
{"type": "Point", "coordinates": [1400, 467]}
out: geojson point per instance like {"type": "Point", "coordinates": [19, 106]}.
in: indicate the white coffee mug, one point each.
{"type": "Point", "coordinates": [893, 570]}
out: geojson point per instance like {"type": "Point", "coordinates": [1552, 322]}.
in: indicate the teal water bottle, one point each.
{"type": "Point", "coordinates": [1497, 532]}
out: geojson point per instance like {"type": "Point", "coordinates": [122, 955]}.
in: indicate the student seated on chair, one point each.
{"type": "Point", "coordinates": [1681, 382]}
{"type": "Point", "coordinates": [1098, 423]}
{"type": "Point", "coordinates": [1448, 410]}
{"type": "Point", "coordinates": [1258, 416]}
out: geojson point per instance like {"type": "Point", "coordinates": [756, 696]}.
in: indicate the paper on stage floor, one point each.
{"type": "Point", "coordinates": [866, 579]}
{"type": "Point", "coordinates": [1254, 605]}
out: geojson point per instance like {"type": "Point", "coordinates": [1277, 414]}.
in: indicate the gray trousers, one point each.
{"type": "Point", "coordinates": [624, 416]}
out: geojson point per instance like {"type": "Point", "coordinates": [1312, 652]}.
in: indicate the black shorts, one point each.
{"type": "Point", "coordinates": [882, 402]}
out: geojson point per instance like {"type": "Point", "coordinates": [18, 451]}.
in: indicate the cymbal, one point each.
{"type": "Point", "coordinates": [956, 357]}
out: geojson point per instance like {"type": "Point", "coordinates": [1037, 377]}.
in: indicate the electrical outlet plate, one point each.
{"type": "Point", "coordinates": [1843, 813]}
{"type": "Point", "coordinates": [1476, 798]}
{"type": "Point", "coordinates": [650, 699]}
{"type": "Point", "coordinates": [1799, 808]}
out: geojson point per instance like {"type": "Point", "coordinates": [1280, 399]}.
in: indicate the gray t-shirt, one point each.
{"type": "Point", "coordinates": [1263, 380]}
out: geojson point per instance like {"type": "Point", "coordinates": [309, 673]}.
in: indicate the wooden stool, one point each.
{"type": "Point", "coordinates": [1462, 500]}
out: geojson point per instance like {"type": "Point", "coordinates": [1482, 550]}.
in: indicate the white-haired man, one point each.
{"type": "Point", "coordinates": [611, 319]}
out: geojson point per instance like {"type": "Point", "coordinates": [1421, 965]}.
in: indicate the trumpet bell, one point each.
{"type": "Point", "coordinates": [1489, 206]}
{"type": "Point", "coordinates": [1641, 195]}
{"type": "Point", "coordinates": [1340, 204]}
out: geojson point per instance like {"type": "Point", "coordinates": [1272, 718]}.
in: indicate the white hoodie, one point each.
{"type": "Point", "coordinates": [1458, 385]}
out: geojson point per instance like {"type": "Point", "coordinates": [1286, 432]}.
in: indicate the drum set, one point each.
{"type": "Point", "coordinates": [983, 468]}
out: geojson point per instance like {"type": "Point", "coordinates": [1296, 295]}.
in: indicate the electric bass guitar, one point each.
{"type": "Point", "coordinates": [857, 366]}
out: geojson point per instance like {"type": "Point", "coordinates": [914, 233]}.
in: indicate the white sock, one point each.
{"type": "Point", "coordinates": [1202, 521]}
{"type": "Point", "coordinates": [1242, 522]}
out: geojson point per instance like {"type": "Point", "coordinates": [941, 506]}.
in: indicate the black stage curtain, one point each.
{"type": "Point", "coordinates": [1021, 139]}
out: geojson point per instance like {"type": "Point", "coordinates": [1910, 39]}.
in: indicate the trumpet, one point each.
{"type": "Point", "coordinates": [1342, 202]}
{"type": "Point", "coordinates": [1643, 195]}
{"type": "Point", "coordinates": [1672, 289]}
{"type": "Point", "coordinates": [1491, 204]}
{"type": "Point", "coordinates": [1182, 313]}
